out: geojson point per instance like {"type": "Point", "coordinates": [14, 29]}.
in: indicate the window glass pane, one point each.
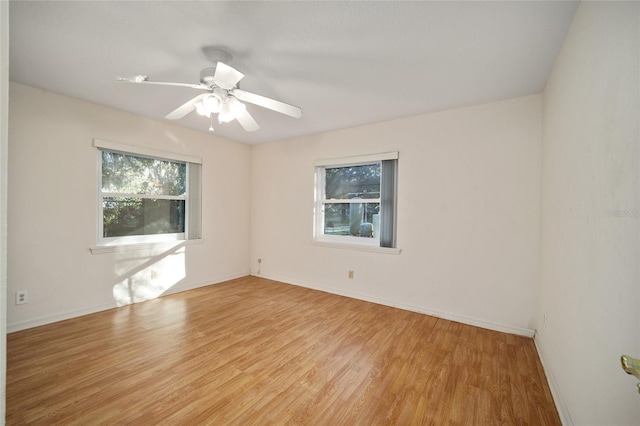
{"type": "Point", "coordinates": [142, 216]}
{"type": "Point", "coordinates": [352, 182]}
{"type": "Point", "coordinates": [355, 219]}
{"type": "Point", "coordinates": [130, 174]}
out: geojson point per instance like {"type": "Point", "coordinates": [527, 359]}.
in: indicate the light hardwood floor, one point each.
{"type": "Point", "coordinates": [255, 351]}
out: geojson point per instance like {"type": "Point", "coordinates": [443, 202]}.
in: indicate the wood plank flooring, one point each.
{"type": "Point", "coordinates": [254, 351]}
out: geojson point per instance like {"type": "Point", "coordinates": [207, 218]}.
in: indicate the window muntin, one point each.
{"type": "Point", "coordinates": [142, 199]}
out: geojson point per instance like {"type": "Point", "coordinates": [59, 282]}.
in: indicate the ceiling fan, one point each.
{"type": "Point", "coordinates": [223, 95]}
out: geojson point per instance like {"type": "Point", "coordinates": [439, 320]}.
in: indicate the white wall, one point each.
{"type": "Point", "coordinates": [4, 117]}
{"type": "Point", "coordinates": [52, 215]}
{"type": "Point", "coordinates": [590, 292]}
{"type": "Point", "coordinates": [468, 214]}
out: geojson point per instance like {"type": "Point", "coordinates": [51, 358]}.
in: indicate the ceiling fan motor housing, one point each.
{"type": "Point", "coordinates": [206, 76]}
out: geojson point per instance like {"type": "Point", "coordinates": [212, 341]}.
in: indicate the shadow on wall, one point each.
{"type": "Point", "coordinates": [147, 275]}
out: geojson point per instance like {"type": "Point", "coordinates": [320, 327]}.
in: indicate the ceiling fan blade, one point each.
{"type": "Point", "coordinates": [142, 79]}
{"type": "Point", "coordinates": [226, 77]}
{"type": "Point", "coordinates": [246, 121]}
{"type": "Point", "coordinates": [272, 104]}
{"type": "Point", "coordinates": [185, 108]}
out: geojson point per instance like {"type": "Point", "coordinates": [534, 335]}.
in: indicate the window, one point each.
{"type": "Point", "coordinates": [146, 195]}
{"type": "Point", "coordinates": [356, 200]}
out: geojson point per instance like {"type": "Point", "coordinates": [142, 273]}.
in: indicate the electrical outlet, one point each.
{"type": "Point", "coordinates": [22, 297]}
{"type": "Point", "coordinates": [350, 275]}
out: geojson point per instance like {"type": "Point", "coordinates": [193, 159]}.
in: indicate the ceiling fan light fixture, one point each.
{"type": "Point", "coordinates": [212, 103]}
{"type": "Point", "coordinates": [202, 110]}
{"type": "Point", "coordinates": [226, 115]}
{"type": "Point", "coordinates": [235, 106]}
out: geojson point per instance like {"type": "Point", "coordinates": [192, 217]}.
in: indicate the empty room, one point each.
{"type": "Point", "coordinates": [336, 213]}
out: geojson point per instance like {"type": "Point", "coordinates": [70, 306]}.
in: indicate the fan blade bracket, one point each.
{"type": "Point", "coordinates": [143, 79]}
{"type": "Point", "coordinates": [135, 79]}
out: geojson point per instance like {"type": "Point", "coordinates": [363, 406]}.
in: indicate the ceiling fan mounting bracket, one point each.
{"type": "Point", "coordinates": [215, 54]}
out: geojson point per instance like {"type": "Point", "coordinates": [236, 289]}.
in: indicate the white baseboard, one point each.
{"type": "Point", "coordinates": [407, 307]}
{"type": "Point", "coordinates": [179, 288]}
{"type": "Point", "coordinates": [563, 412]}
{"type": "Point", "coordinates": [36, 322]}
{"type": "Point", "coordinates": [48, 319]}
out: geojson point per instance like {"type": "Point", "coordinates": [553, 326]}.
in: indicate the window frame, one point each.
{"type": "Point", "coordinates": [320, 200]}
{"type": "Point", "coordinates": [191, 197]}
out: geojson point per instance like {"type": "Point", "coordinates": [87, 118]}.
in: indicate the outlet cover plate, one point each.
{"type": "Point", "coordinates": [22, 297]}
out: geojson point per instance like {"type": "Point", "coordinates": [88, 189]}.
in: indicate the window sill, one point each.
{"type": "Point", "coordinates": [142, 246]}
{"type": "Point", "coordinates": [360, 247]}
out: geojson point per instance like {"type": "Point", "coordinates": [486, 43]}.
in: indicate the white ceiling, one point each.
{"type": "Point", "coordinates": [343, 63]}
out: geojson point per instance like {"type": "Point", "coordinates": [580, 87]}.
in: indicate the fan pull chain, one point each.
{"type": "Point", "coordinates": [211, 126]}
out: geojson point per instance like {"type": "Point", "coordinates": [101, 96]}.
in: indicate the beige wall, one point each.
{"type": "Point", "coordinates": [468, 211]}
{"type": "Point", "coordinates": [590, 288]}
{"type": "Point", "coordinates": [468, 214]}
{"type": "Point", "coordinates": [4, 120]}
{"type": "Point", "coordinates": [52, 210]}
